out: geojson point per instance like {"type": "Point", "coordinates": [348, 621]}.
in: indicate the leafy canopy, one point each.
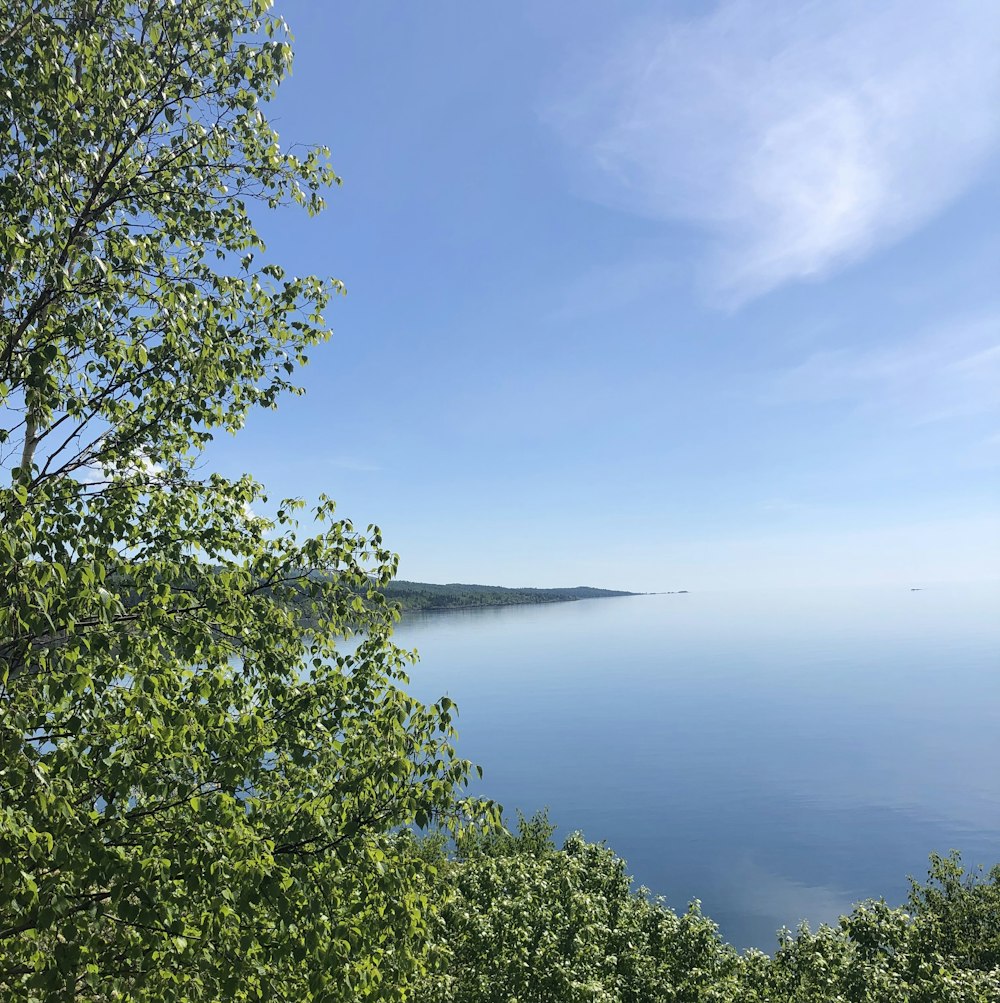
{"type": "Point", "coordinates": [522, 920]}
{"type": "Point", "coordinates": [199, 797]}
{"type": "Point", "coordinates": [527, 921]}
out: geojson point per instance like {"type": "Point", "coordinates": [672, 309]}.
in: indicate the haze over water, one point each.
{"type": "Point", "coordinates": [777, 755]}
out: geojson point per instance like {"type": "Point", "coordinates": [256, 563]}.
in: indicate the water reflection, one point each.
{"type": "Point", "coordinates": [777, 756]}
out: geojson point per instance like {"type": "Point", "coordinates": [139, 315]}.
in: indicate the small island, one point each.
{"type": "Point", "coordinates": [424, 596]}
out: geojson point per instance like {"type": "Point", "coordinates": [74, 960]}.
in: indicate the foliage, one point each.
{"type": "Point", "coordinates": [524, 921]}
{"type": "Point", "coordinates": [199, 798]}
{"type": "Point", "coordinates": [527, 921]}
{"type": "Point", "coordinates": [941, 949]}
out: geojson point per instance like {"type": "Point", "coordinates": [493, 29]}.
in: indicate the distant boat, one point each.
{"type": "Point", "coordinates": [916, 590]}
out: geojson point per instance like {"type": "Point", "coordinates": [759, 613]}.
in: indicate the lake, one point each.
{"type": "Point", "coordinates": [778, 756]}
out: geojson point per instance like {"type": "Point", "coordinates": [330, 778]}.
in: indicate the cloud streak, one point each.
{"type": "Point", "coordinates": [950, 372]}
{"type": "Point", "coordinates": [804, 135]}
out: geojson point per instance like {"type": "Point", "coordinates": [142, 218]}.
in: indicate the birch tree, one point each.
{"type": "Point", "coordinates": [204, 794]}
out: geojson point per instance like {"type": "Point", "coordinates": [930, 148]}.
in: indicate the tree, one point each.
{"type": "Point", "coordinates": [208, 765]}
{"type": "Point", "coordinates": [521, 920]}
{"type": "Point", "coordinates": [943, 948]}
{"type": "Point", "coordinates": [526, 921]}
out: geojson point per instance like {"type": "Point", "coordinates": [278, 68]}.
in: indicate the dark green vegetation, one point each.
{"type": "Point", "coordinates": [414, 597]}
{"type": "Point", "coordinates": [205, 795]}
{"type": "Point", "coordinates": [424, 596]}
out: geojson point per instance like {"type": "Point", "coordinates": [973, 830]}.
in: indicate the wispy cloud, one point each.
{"type": "Point", "coordinates": [950, 372]}
{"type": "Point", "coordinates": [804, 134]}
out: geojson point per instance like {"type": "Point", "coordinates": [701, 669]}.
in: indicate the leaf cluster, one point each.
{"type": "Point", "coordinates": [203, 793]}
{"type": "Point", "coordinates": [524, 921]}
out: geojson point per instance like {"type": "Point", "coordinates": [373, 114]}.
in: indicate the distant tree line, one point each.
{"type": "Point", "coordinates": [424, 596]}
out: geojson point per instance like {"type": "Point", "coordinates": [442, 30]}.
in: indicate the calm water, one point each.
{"type": "Point", "coordinates": [778, 756]}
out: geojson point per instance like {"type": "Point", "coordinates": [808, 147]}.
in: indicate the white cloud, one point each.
{"type": "Point", "coordinates": [949, 372]}
{"type": "Point", "coordinates": [803, 134]}
{"type": "Point", "coordinates": [139, 465]}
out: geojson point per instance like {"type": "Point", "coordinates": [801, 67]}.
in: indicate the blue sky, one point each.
{"type": "Point", "coordinates": [651, 296]}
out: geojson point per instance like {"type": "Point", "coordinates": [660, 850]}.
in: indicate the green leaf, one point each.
{"type": "Point", "coordinates": [203, 728]}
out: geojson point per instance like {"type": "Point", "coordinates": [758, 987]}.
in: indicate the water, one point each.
{"type": "Point", "coordinates": [778, 756]}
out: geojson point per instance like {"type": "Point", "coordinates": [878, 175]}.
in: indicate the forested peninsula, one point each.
{"type": "Point", "coordinates": [414, 596]}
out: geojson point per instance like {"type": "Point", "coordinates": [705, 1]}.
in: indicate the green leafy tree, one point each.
{"type": "Point", "coordinates": [521, 921]}
{"type": "Point", "coordinates": [526, 921]}
{"type": "Point", "coordinates": [942, 948]}
{"type": "Point", "coordinates": [200, 798]}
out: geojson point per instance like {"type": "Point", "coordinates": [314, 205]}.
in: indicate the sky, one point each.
{"type": "Point", "coordinates": [650, 296]}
